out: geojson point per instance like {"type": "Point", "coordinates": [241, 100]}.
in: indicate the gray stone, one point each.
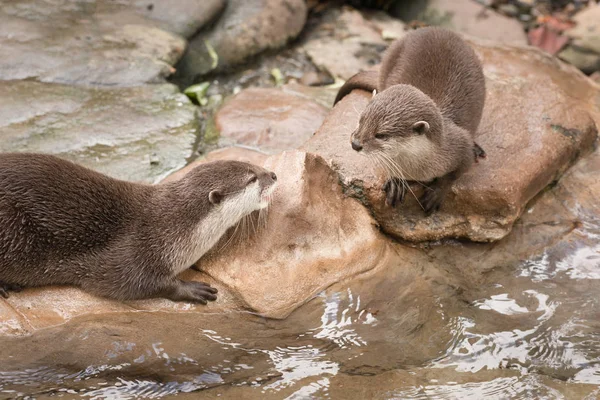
{"type": "Point", "coordinates": [585, 60]}
{"type": "Point", "coordinates": [139, 134]}
{"type": "Point", "coordinates": [465, 16]}
{"type": "Point", "coordinates": [83, 43]}
{"type": "Point", "coordinates": [587, 28]}
{"type": "Point", "coordinates": [584, 51]}
{"type": "Point", "coordinates": [345, 42]}
{"type": "Point", "coordinates": [246, 28]}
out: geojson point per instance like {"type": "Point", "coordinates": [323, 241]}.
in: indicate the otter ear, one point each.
{"type": "Point", "coordinates": [420, 127]}
{"type": "Point", "coordinates": [374, 93]}
{"type": "Point", "coordinates": [215, 197]}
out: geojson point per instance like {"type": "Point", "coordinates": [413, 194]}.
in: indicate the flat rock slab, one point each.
{"type": "Point", "coordinates": [270, 119]}
{"type": "Point", "coordinates": [89, 43]}
{"type": "Point", "coordinates": [140, 134]}
{"type": "Point", "coordinates": [540, 115]}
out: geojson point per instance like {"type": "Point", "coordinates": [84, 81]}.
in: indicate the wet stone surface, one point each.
{"type": "Point", "coordinates": [140, 134]}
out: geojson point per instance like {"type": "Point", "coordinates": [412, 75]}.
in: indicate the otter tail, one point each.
{"type": "Point", "coordinates": [365, 80]}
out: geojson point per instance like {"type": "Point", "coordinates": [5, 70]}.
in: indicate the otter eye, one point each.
{"type": "Point", "coordinates": [253, 179]}
{"type": "Point", "coordinates": [381, 136]}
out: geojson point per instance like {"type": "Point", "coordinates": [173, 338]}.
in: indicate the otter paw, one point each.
{"type": "Point", "coordinates": [395, 190]}
{"type": "Point", "coordinates": [478, 152]}
{"type": "Point", "coordinates": [431, 200]}
{"type": "Point", "coordinates": [5, 288]}
{"type": "Point", "coordinates": [198, 292]}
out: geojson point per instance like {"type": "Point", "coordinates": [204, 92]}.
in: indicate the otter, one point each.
{"type": "Point", "coordinates": [65, 224]}
{"type": "Point", "coordinates": [427, 103]}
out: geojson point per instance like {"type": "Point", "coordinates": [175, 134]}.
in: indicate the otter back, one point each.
{"type": "Point", "coordinates": [443, 66]}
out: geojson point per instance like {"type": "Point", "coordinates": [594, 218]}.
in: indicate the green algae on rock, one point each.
{"type": "Point", "coordinates": [137, 133]}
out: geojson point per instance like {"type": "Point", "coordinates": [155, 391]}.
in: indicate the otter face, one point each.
{"type": "Point", "coordinates": [246, 186]}
{"type": "Point", "coordinates": [400, 113]}
{"type": "Point", "coordinates": [401, 125]}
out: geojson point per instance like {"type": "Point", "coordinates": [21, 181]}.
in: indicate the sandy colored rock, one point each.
{"type": "Point", "coordinates": [270, 119]}
{"type": "Point", "coordinates": [466, 16]}
{"type": "Point", "coordinates": [242, 31]}
{"type": "Point", "coordinates": [72, 44]}
{"type": "Point", "coordinates": [141, 133]}
{"type": "Point", "coordinates": [540, 115]}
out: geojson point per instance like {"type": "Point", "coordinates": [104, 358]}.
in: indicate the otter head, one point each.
{"type": "Point", "coordinates": [231, 188]}
{"type": "Point", "coordinates": [247, 185]}
{"type": "Point", "coordinates": [401, 125]}
{"type": "Point", "coordinates": [213, 197]}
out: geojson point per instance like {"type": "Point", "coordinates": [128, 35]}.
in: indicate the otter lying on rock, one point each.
{"type": "Point", "coordinates": [421, 124]}
{"type": "Point", "coordinates": [63, 224]}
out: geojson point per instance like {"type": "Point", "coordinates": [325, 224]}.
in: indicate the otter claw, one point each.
{"type": "Point", "coordinates": [478, 152]}
{"type": "Point", "coordinates": [431, 201]}
{"type": "Point", "coordinates": [5, 288]}
{"type": "Point", "coordinates": [199, 292]}
{"type": "Point", "coordinates": [395, 192]}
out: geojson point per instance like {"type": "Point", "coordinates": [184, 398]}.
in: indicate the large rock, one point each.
{"type": "Point", "coordinates": [584, 49]}
{"type": "Point", "coordinates": [93, 43]}
{"type": "Point", "coordinates": [140, 133]}
{"type": "Point", "coordinates": [466, 16]}
{"type": "Point", "coordinates": [245, 28]}
{"type": "Point", "coordinates": [270, 119]}
{"type": "Point", "coordinates": [540, 115]}
{"type": "Point", "coordinates": [345, 41]}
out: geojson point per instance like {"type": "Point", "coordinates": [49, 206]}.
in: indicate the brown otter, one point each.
{"type": "Point", "coordinates": [421, 123]}
{"type": "Point", "coordinates": [64, 224]}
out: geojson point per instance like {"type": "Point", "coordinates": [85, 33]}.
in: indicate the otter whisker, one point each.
{"type": "Point", "coordinates": [395, 168]}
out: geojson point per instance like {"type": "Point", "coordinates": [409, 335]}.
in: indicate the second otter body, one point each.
{"type": "Point", "coordinates": [61, 223]}
{"type": "Point", "coordinates": [421, 124]}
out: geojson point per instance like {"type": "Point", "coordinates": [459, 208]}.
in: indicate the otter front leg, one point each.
{"type": "Point", "coordinates": [395, 190]}
{"type": "Point", "coordinates": [435, 192]}
{"type": "Point", "coordinates": [199, 292]}
{"type": "Point", "coordinates": [8, 287]}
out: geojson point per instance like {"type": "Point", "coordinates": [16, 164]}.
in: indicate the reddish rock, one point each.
{"type": "Point", "coordinates": [547, 39]}
{"type": "Point", "coordinates": [540, 115]}
{"type": "Point", "coordinates": [270, 119]}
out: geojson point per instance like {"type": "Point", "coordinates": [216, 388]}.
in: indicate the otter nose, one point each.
{"type": "Point", "coordinates": [356, 146]}
{"type": "Point", "coordinates": [273, 176]}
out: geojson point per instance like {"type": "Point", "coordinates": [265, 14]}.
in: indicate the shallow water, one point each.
{"type": "Point", "coordinates": [529, 330]}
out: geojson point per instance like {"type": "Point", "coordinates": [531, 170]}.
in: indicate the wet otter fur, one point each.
{"type": "Point", "coordinates": [420, 124]}
{"type": "Point", "coordinates": [64, 224]}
